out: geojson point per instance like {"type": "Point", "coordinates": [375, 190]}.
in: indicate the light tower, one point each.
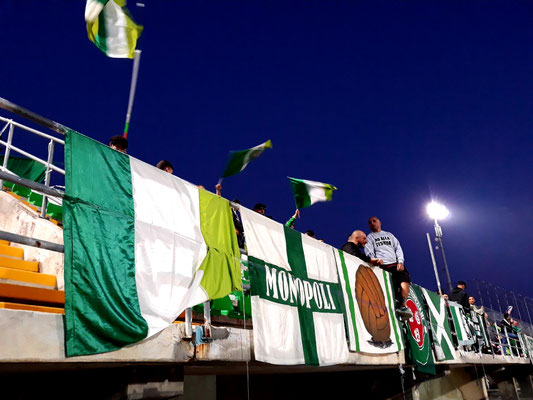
{"type": "Point", "coordinates": [438, 211]}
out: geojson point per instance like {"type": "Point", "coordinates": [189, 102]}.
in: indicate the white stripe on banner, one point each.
{"type": "Point", "coordinates": [169, 246]}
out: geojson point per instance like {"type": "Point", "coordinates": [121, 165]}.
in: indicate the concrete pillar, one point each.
{"type": "Point", "coordinates": [507, 389]}
{"type": "Point", "coordinates": [526, 386]}
{"type": "Point", "coordinates": [200, 387]}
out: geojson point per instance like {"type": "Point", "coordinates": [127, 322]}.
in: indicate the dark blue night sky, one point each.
{"type": "Point", "coordinates": [395, 103]}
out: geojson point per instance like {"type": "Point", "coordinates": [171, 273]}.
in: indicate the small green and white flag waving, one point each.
{"type": "Point", "coordinates": [111, 28]}
{"type": "Point", "coordinates": [306, 193]}
{"type": "Point", "coordinates": [238, 160]}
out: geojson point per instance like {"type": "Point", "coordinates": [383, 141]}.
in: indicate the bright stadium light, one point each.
{"type": "Point", "coordinates": [437, 211]}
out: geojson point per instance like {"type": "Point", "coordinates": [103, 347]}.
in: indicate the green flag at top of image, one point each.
{"type": "Point", "coordinates": [306, 193]}
{"type": "Point", "coordinates": [238, 160]}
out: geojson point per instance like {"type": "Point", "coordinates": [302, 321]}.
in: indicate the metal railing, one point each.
{"type": "Point", "coordinates": [10, 126]}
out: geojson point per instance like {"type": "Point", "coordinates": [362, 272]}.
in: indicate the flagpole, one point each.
{"type": "Point", "coordinates": [133, 86]}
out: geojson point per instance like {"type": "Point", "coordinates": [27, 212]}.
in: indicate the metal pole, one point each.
{"type": "Point", "coordinates": [490, 301]}
{"type": "Point", "coordinates": [47, 176]}
{"type": "Point", "coordinates": [188, 323]}
{"type": "Point", "coordinates": [21, 111]}
{"type": "Point", "coordinates": [133, 86]}
{"type": "Point", "coordinates": [8, 150]}
{"type": "Point", "coordinates": [479, 291]}
{"type": "Point", "coordinates": [527, 309]}
{"type": "Point", "coordinates": [42, 244]}
{"type": "Point", "coordinates": [517, 307]}
{"type": "Point", "coordinates": [31, 184]}
{"type": "Point", "coordinates": [434, 263]}
{"type": "Point", "coordinates": [438, 234]}
{"type": "Point", "coordinates": [497, 299]}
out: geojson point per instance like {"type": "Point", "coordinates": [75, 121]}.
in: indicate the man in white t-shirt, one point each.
{"type": "Point", "coordinates": [384, 245]}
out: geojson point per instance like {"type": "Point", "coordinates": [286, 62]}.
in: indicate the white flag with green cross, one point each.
{"type": "Point", "coordinates": [369, 302]}
{"type": "Point", "coordinates": [297, 301]}
{"type": "Point", "coordinates": [440, 327]}
{"type": "Point", "coordinates": [464, 336]}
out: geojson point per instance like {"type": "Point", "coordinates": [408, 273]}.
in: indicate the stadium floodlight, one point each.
{"type": "Point", "coordinates": [438, 211]}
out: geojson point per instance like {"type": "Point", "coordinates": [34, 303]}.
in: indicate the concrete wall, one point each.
{"type": "Point", "coordinates": [17, 218]}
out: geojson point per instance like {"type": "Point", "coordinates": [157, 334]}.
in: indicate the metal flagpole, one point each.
{"type": "Point", "coordinates": [133, 86]}
{"type": "Point", "coordinates": [517, 307]}
{"type": "Point", "coordinates": [434, 263]}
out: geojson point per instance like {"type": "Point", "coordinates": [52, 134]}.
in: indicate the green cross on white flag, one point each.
{"type": "Point", "coordinates": [440, 328]}
{"type": "Point", "coordinates": [297, 304]}
{"type": "Point", "coordinates": [464, 336]}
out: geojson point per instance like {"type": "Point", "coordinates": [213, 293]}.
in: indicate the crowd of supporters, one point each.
{"type": "Point", "coordinates": [503, 338]}
{"type": "Point", "coordinates": [384, 250]}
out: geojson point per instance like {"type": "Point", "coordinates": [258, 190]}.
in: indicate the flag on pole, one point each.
{"type": "Point", "coordinates": [440, 328]}
{"type": "Point", "coordinates": [238, 160]}
{"type": "Point", "coordinates": [306, 193]}
{"type": "Point", "coordinates": [418, 332]}
{"type": "Point", "coordinates": [369, 303]}
{"type": "Point", "coordinates": [111, 28]}
{"type": "Point", "coordinates": [141, 245]}
{"type": "Point", "coordinates": [464, 336]}
{"type": "Point", "coordinates": [297, 302]}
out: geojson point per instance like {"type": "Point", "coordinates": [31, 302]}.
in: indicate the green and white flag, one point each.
{"type": "Point", "coordinates": [464, 336]}
{"type": "Point", "coordinates": [418, 332]}
{"type": "Point", "coordinates": [297, 303]}
{"type": "Point", "coordinates": [440, 328]}
{"type": "Point", "coordinates": [306, 193]}
{"type": "Point", "coordinates": [479, 326]}
{"type": "Point", "coordinates": [369, 303]}
{"type": "Point", "coordinates": [111, 28]}
{"type": "Point", "coordinates": [238, 160]}
{"type": "Point", "coordinates": [141, 245]}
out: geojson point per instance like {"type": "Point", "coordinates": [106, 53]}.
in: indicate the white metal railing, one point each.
{"type": "Point", "coordinates": [10, 125]}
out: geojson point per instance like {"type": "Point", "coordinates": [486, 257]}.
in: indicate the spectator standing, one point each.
{"type": "Point", "coordinates": [119, 143]}
{"type": "Point", "coordinates": [384, 245]}
{"type": "Point", "coordinates": [165, 166]}
{"type": "Point", "coordinates": [355, 246]}
{"type": "Point", "coordinates": [459, 295]}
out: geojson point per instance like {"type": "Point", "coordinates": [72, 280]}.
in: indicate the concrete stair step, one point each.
{"type": "Point", "coordinates": [27, 278]}
{"type": "Point", "coordinates": [31, 295]}
{"type": "Point", "coordinates": [30, 307]}
{"type": "Point", "coordinates": [24, 265]}
{"type": "Point", "coordinates": [4, 242]}
{"type": "Point", "coordinates": [13, 252]}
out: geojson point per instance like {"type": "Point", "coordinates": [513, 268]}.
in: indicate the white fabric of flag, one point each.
{"type": "Point", "coordinates": [297, 305]}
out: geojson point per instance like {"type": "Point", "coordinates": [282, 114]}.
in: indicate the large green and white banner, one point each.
{"type": "Point", "coordinates": [369, 302]}
{"type": "Point", "coordinates": [141, 245]}
{"type": "Point", "coordinates": [440, 328]}
{"type": "Point", "coordinates": [297, 302]}
{"type": "Point", "coordinates": [418, 333]}
{"type": "Point", "coordinates": [464, 335]}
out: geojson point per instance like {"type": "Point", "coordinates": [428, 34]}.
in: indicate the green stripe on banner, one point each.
{"type": "Point", "coordinates": [391, 308]}
{"type": "Point", "coordinates": [458, 329]}
{"type": "Point", "coordinates": [102, 294]}
{"type": "Point", "coordinates": [350, 298]}
{"type": "Point", "coordinates": [295, 255]}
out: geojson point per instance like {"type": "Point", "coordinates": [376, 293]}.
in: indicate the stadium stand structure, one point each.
{"type": "Point", "coordinates": [208, 353]}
